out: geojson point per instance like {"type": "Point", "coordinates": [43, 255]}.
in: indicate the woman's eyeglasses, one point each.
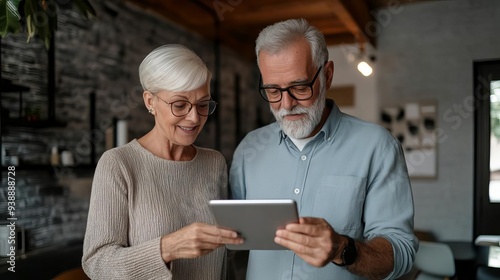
{"type": "Point", "coordinates": [180, 108]}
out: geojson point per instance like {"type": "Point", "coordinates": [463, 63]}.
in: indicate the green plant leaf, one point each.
{"type": "Point", "coordinates": [30, 11]}
{"type": "Point", "coordinates": [41, 20]}
{"type": "Point", "coordinates": [85, 8]}
{"type": "Point", "coordinates": [47, 25]}
{"type": "Point", "coordinates": [40, 17]}
{"type": "Point", "coordinates": [9, 17]}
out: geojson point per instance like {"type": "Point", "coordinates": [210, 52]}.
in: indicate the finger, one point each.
{"type": "Point", "coordinates": [219, 231]}
{"type": "Point", "coordinates": [309, 236]}
{"type": "Point", "coordinates": [227, 232]}
{"type": "Point", "coordinates": [305, 229]}
{"type": "Point", "coordinates": [316, 256]}
{"type": "Point", "coordinates": [228, 240]}
{"type": "Point", "coordinates": [215, 235]}
{"type": "Point", "coordinates": [297, 247]}
{"type": "Point", "coordinates": [293, 236]}
{"type": "Point", "coordinates": [310, 226]}
{"type": "Point", "coordinates": [311, 220]}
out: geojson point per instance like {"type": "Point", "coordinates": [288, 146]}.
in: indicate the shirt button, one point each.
{"type": "Point", "coordinates": [296, 191]}
{"type": "Point", "coordinates": [303, 157]}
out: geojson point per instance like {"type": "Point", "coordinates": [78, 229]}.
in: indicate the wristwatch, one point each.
{"type": "Point", "coordinates": [349, 253]}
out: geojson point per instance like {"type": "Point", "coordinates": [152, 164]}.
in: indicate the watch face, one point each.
{"type": "Point", "coordinates": [349, 254]}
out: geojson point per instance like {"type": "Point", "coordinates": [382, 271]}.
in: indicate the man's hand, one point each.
{"type": "Point", "coordinates": [312, 239]}
{"type": "Point", "coordinates": [315, 241]}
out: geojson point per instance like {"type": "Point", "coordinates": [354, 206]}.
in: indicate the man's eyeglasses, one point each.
{"type": "Point", "coordinates": [299, 92]}
{"type": "Point", "coordinates": [180, 108]}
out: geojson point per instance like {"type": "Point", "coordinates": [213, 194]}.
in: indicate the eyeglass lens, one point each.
{"type": "Point", "coordinates": [298, 92]}
{"type": "Point", "coordinates": [181, 108]}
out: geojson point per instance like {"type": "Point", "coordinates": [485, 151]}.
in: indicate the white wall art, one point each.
{"type": "Point", "coordinates": [414, 125]}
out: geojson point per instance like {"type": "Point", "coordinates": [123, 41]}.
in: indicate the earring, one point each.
{"type": "Point", "coordinates": [150, 110]}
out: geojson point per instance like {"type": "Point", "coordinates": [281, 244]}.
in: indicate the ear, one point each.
{"type": "Point", "coordinates": [148, 98]}
{"type": "Point", "coordinates": [329, 69]}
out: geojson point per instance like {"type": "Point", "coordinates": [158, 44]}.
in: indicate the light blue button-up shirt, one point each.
{"type": "Point", "coordinates": [352, 174]}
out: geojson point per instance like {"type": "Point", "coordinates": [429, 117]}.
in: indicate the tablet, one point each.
{"type": "Point", "coordinates": [255, 220]}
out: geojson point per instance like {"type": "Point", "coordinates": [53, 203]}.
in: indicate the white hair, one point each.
{"type": "Point", "coordinates": [278, 36]}
{"type": "Point", "coordinates": [173, 68]}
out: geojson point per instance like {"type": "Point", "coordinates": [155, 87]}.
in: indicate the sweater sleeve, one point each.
{"type": "Point", "coordinates": [106, 251]}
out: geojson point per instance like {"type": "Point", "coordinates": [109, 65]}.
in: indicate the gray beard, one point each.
{"type": "Point", "coordinates": [301, 128]}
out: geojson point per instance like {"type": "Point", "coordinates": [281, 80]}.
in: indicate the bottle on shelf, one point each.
{"type": "Point", "coordinates": [54, 156]}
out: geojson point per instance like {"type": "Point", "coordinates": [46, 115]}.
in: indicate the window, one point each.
{"type": "Point", "coordinates": [487, 148]}
{"type": "Point", "coordinates": [494, 186]}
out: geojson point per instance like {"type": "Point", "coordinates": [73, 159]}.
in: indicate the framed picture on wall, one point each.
{"type": "Point", "coordinates": [414, 125]}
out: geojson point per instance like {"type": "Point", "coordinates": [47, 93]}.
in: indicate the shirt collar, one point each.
{"type": "Point", "coordinates": [332, 122]}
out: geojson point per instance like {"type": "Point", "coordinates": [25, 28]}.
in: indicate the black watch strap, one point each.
{"type": "Point", "coordinates": [349, 253]}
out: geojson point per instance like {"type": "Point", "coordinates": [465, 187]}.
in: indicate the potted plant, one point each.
{"type": "Point", "coordinates": [37, 17]}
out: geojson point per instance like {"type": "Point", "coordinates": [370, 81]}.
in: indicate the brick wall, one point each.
{"type": "Point", "coordinates": [100, 57]}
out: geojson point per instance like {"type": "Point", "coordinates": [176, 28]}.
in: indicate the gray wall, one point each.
{"type": "Point", "coordinates": [426, 51]}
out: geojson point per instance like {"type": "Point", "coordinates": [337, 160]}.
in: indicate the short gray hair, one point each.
{"type": "Point", "coordinates": [276, 37]}
{"type": "Point", "coordinates": [173, 68]}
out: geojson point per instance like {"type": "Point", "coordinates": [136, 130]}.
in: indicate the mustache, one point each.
{"type": "Point", "coordinates": [295, 110]}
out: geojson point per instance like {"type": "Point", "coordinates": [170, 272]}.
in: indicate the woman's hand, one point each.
{"type": "Point", "coordinates": [195, 240]}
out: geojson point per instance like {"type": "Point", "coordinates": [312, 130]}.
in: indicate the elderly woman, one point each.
{"type": "Point", "coordinates": [149, 216]}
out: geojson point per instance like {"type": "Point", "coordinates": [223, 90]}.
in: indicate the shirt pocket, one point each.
{"type": "Point", "coordinates": [340, 201]}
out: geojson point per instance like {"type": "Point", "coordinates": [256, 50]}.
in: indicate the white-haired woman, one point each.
{"type": "Point", "coordinates": [149, 216]}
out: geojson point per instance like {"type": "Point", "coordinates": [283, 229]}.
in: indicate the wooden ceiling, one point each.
{"type": "Point", "coordinates": [237, 23]}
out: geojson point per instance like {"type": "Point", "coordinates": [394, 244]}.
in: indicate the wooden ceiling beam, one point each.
{"type": "Point", "coordinates": [190, 16]}
{"type": "Point", "coordinates": [328, 25]}
{"type": "Point", "coordinates": [356, 16]}
{"type": "Point", "coordinates": [273, 12]}
{"type": "Point", "coordinates": [239, 22]}
{"type": "Point", "coordinates": [340, 39]}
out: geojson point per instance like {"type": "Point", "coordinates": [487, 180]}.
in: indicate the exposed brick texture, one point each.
{"type": "Point", "coordinates": [100, 56]}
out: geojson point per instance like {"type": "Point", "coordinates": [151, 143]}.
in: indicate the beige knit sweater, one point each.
{"type": "Point", "coordinates": [137, 198]}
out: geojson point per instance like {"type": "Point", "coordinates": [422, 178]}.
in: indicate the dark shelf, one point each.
{"type": "Point", "coordinates": [8, 86]}
{"type": "Point", "coordinates": [82, 170]}
{"type": "Point", "coordinates": [44, 263]}
{"type": "Point", "coordinates": [32, 124]}
{"type": "Point", "coordinates": [30, 166]}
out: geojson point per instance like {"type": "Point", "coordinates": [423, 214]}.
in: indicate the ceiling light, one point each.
{"type": "Point", "coordinates": [359, 57]}
{"type": "Point", "coordinates": [365, 68]}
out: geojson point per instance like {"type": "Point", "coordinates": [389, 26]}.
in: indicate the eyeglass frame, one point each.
{"type": "Point", "coordinates": [287, 89]}
{"type": "Point", "coordinates": [190, 108]}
